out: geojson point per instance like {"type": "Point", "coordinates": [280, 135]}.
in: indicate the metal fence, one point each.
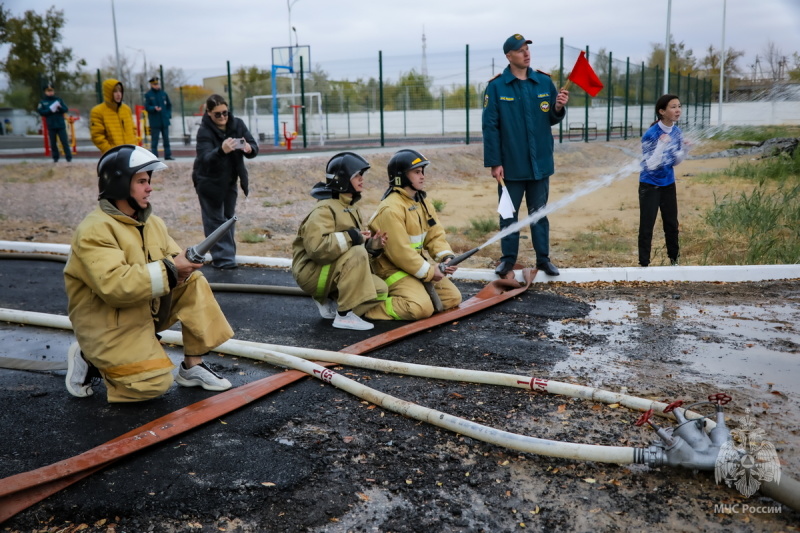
{"type": "Point", "coordinates": [438, 97]}
{"type": "Point", "coordinates": [414, 98]}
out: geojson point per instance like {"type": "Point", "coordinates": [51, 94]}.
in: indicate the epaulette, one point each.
{"type": "Point", "coordinates": [495, 77]}
{"type": "Point", "coordinates": [545, 73]}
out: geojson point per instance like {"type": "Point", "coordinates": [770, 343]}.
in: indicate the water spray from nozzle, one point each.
{"type": "Point", "coordinates": [694, 134]}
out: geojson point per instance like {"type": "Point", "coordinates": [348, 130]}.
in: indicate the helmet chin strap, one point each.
{"type": "Point", "coordinates": [134, 205]}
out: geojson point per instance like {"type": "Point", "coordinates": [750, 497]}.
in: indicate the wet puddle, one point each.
{"type": "Point", "coordinates": [717, 343]}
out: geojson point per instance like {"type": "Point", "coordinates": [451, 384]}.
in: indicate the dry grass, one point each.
{"type": "Point", "coordinates": [43, 202]}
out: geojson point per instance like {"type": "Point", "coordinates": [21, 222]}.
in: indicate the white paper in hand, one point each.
{"type": "Point", "coordinates": [506, 207]}
{"type": "Point", "coordinates": [54, 106]}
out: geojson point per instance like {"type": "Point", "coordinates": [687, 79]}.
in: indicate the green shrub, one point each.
{"type": "Point", "coordinates": [779, 167]}
{"type": "Point", "coordinates": [756, 133]}
{"type": "Point", "coordinates": [760, 227]}
{"type": "Point", "coordinates": [482, 226]}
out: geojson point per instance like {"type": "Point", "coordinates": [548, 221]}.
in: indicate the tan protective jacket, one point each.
{"type": "Point", "coordinates": [114, 278]}
{"type": "Point", "coordinates": [111, 124]}
{"type": "Point", "coordinates": [321, 239]}
{"type": "Point", "coordinates": [413, 228]}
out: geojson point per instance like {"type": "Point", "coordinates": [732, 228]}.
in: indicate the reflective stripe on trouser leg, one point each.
{"type": "Point", "coordinates": [355, 284]}
{"type": "Point", "coordinates": [362, 309]}
{"type": "Point", "coordinates": [408, 300]}
{"type": "Point", "coordinates": [388, 305]}
{"type": "Point", "coordinates": [322, 282]}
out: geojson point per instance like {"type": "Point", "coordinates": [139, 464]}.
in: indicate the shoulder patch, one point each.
{"type": "Point", "coordinates": [545, 73]}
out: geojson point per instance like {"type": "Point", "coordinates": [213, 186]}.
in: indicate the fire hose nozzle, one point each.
{"type": "Point", "coordinates": [197, 253]}
{"type": "Point", "coordinates": [457, 259]}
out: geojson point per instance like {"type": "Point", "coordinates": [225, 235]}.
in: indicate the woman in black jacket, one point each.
{"type": "Point", "coordinates": [223, 142]}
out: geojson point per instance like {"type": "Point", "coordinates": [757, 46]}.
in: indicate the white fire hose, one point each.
{"type": "Point", "coordinates": [299, 359]}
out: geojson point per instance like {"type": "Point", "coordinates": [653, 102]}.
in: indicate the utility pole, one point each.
{"type": "Point", "coordinates": [116, 45]}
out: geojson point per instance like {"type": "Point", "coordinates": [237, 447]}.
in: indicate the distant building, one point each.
{"type": "Point", "coordinates": [217, 84]}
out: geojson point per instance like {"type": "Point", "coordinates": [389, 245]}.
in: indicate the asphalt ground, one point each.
{"type": "Point", "coordinates": [313, 458]}
{"type": "Point", "coordinates": [43, 424]}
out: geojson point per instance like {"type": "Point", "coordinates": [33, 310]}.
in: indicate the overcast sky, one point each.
{"type": "Point", "coordinates": [199, 36]}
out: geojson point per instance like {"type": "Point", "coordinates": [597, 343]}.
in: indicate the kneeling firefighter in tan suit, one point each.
{"type": "Point", "coordinates": [126, 280]}
{"type": "Point", "coordinates": [408, 217]}
{"type": "Point", "coordinates": [332, 250]}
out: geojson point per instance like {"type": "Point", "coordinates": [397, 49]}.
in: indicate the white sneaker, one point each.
{"type": "Point", "coordinates": [78, 381]}
{"type": "Point", "coordinates": [328, 309]}
{"type": "Point", "coordinates": [351, 321]}
{"type": "Point", "coordinates": [201, 376]}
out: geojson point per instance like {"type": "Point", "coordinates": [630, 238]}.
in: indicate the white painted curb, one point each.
{"type": "Point", "coordinates": [727, 274]}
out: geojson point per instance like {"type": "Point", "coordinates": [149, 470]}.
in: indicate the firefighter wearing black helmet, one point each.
{"type": "Point", "coordinates": [417, 237]}
{"type": "Point", "coordinates": [126, 279]}
{"type": "Point", "coordinates": [332, 249]}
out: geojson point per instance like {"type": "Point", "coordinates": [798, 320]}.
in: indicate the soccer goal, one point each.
{"type": "Point", "coordinates": [266, 127]}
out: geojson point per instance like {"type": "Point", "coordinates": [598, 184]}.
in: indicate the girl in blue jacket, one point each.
{"type": "Point", "coordinates": [662, 149]}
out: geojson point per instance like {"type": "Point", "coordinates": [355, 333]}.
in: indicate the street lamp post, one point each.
{"type": "Point", "coordinates": [289, 4]}
{"type": "Point", "coordinates": [116, 45]}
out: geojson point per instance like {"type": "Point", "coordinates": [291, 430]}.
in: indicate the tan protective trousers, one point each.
{"type": "Point", "coordinates": [348, 280]}
{"type": "Point", "coordinates": [203, 327]}
{"type": "Point", "coordinates": [408, 300]}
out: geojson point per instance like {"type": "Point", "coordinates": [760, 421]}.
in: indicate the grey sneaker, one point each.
{"type": "Point", "coordinates": [328, 309]}
{"type": "Point", "coordinates": [351, 321]}
{"type": "Point", "coordinates": [79, 380]}
{"type": "Point", "coordinates": [201, 376]}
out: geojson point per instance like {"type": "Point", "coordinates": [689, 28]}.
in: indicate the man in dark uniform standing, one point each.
{"type": "Point", "coordinates": [53, 109]}
{"type": "Point", "coordinates": [519, 108]}
{"type": "Point", "coordinates": [159, 111]}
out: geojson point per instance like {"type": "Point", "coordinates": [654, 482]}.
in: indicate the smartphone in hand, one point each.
{"type": "Point", "coordinates": [240, 143]}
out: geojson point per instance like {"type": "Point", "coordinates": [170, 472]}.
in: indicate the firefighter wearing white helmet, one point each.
{"type": "Point", "coordinates": [417, 247]}
{"type": "Point", "coordinates": [126, 279]}
{"type": "Point", "coordinates": [331, 252]}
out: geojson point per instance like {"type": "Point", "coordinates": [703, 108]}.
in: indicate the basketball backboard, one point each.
{"type": "Point", "coordinates": [289, 57]}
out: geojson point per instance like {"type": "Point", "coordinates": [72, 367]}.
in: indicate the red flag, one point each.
{"type": "Point", "coordinates": [584, 77]}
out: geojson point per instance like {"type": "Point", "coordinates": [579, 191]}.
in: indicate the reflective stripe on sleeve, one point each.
{"type": "Point", "coordinates": [422, 273]}
{"type": "Point", "coordinates": [443, 254]}
{"type": "Point", "coordinates": [341, 240]}
{"type": "Point", "coordinates": [156, 279]}
{"type": "Point", "coordinates": [416, 241]}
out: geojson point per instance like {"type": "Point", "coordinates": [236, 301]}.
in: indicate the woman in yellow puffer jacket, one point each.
{"type": "Point", "coordinates": [111, 123]}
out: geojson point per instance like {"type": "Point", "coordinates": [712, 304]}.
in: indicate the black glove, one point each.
{"type": "Point", "coordinates": [355, 236]}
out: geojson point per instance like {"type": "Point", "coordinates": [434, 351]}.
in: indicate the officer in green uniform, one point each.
{"type": "Point", "coordinates": [519, 108]}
